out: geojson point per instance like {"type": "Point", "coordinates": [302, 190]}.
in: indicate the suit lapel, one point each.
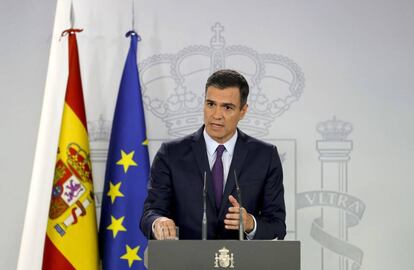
{"type": "Point", "coordinates": [200, 152]}
{"type": "Point", "coordinates": [240, 153]}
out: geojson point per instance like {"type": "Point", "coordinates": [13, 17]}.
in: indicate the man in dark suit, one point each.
{"type": "Point", "coordinates": [222, 152]}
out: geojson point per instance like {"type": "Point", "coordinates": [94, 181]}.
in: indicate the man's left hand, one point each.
{"type": "Point", "coordinates": [231, 222]}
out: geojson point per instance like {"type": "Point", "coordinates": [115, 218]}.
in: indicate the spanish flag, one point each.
{"type": "Point", "coordinates": [71, 237]}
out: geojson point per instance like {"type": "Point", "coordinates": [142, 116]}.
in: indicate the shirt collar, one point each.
{"type": "Point", "coordinates": [211, 144]}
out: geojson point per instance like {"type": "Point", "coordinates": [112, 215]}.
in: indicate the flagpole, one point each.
{"type": "Point", "coordinates": [72, 15]}
{"type": "Point", "coordinates": [34, 228]}
{"type": "Point", "coordinates": [133, 14]}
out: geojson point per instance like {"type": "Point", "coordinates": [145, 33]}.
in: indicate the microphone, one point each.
{"type": "Point", "coordinates": [204, 223]}
{"type": "Point", "coordinates": [241, 227]}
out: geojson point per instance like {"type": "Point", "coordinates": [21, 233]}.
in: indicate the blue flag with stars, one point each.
{"type": "Point", "coordinates": [122, 244]}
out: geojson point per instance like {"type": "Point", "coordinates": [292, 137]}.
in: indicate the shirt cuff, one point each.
{"type": "Point", "coordinates": [251, 235]}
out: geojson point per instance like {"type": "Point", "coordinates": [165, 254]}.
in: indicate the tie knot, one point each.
{"type": "Point", "coordinates": [220, 149]}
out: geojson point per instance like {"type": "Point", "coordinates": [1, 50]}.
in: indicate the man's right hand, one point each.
{"type": "Point", "coordinates": [164, 229]}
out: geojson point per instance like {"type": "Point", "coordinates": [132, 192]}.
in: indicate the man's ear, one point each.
{"type": "Point", "coordinates": [243, 110]}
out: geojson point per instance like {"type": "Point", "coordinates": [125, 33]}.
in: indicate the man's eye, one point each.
{"type": "Point", "coordinates": [210, 104]}
{"type": "Point", "coordinates": [228, 108]}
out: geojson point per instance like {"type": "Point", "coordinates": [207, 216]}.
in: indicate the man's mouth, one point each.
{"type": "Point", "coordinates": [216, 125]}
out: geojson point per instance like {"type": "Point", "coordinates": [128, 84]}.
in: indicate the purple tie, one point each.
{"type": "Point", "coordinates": [218, 175]}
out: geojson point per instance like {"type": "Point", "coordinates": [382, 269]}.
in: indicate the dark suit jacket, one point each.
{"type": "Point", "coordinates": [175, 189]}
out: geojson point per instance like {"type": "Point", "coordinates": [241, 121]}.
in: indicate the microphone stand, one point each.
{"type": "Point", "coordinates": [204, 223]}
{"type": "Point", "coordinates": [241, 227]}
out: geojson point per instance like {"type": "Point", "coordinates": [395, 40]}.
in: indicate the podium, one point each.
{"type": "Point", "coordinates": [223, 254]}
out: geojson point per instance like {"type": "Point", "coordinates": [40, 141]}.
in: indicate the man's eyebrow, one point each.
{"type": "Point", "coordinates": [228, 104]}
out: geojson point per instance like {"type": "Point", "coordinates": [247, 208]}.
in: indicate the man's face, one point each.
{"type": "Point", "coordinates": [222, 112]}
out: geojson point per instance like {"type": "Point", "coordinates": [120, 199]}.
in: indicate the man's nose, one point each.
{"type": "Point", "coordinates": [218, 112]}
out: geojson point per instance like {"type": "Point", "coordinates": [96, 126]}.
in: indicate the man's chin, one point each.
{"type": "Point", "coordinates": [215, 134]}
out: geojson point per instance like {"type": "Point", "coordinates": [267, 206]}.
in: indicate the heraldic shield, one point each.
{"type": "Point", "coordinates": [71, 186]}
{"type": "Point", "coordinates": [224, 259]}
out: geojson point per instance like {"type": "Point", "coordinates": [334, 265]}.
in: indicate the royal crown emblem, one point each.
{"type": "Point", "coordinates": [99, 130]}
{"type": "Point", "coordinates": [79, 162]}
{"type": "Point", "coordinates": [334, 129]}
{"type": "Point", "coordinates": [223, 259]}
{"type": "Point", "coordinates": [173, 84]}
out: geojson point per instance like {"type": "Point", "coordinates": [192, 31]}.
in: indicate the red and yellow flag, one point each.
{"type": "Point", "coordinates": [71, 237]}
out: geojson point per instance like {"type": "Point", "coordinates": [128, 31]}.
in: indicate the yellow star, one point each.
{"type": "Point", "coordinates": [145, 142]}
{"type": "Point", "coordinates": [114, 191]}
{"type": "Point", "coordinates": [116, 226]}
{"type": "Point", "coordinates": [131, 255]}
{"type": "Point", "coordinates": [127, 160]}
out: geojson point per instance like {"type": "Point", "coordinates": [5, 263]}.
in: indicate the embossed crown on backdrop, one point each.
{"type": "Point", "coordinates": [334, 129]}
{"type": "Point", "coordinates": [173, 84]}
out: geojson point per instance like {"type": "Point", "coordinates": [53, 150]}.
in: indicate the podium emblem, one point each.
{"type": "Point", "coordinates": [223, 259]}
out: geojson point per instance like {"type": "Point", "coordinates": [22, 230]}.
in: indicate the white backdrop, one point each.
{"type": "Point", "coordinates": [307, 61]}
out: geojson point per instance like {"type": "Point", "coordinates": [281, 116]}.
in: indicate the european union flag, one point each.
{"type": "Point", "coordinates": [122, 244]}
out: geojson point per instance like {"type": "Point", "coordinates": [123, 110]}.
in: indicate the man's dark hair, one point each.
{"type": "Point", "coordinates": [229, 78]}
